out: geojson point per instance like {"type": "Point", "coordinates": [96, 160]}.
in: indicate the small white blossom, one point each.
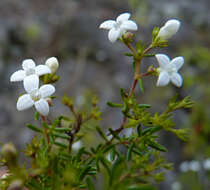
{"type": "Point", "coordinates": [184, 166]}
{"type": "Point", "coordinates": [168, 70]}
{"type": "Point", "coordinates": [53, 64]}
{"type": "Point", "coordinates": [169, 29]}
{"type": "Point", "coordinates": [35, 96]}
{"type": "Point", "coordinates": [77, 145]}
{"type": "Point", "coordinates": [29, 68]}
{"type": "Point", "coordinates": [176, 186]}
{"type": "Point", "coordinates": [194, 166]}
{"type": "Point", "coordinates": [119, 27]}
{"type": "Point", "coordinates": [206, 164]}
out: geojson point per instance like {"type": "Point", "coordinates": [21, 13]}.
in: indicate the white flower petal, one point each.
{"type": "Point", "coordinates": [18, 76]}
{"type": "Point", "coordinates": [108, 24]}
{"type": "Point", "coordinates": [164, 34]}
{"type": "Point", "coordinates": [28, 64]}
{"type": "Point", "coordinates": [169, 29]}
{"type": "Point", "coordinates": [123, 17]}
{"type": "Point", "coordinates": [173, 25]}
{"type": "Point", "coordinates": [42, 107]}
{"type": "Point", "coordinates": [163, 79]}
{"type": "Point", "coordinates": [178, 62]}
{"type": "Point", "coordinates": [176, 79]}
{"type": "Point", "coordinates": [114, 35]}
{"type": "Point", "coordinates": [163, 60]}
{"type": "Point", "coordinates": [31, 83]}
{"type": "Point", "coordinates": [52, 63]}
{"type": "Point", "coordinates": [24, 102]}
{"type": "Point", "coordinates": [129, 25]}
{"type": "Point", "coordinates": [42, 70]}
{"type": "Point", "coordinates": [46, 90]}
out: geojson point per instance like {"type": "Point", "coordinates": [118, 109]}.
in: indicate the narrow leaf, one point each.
{"type": "Point", "coordinates": [129, 152]}
{"type": "Point", "coordinates": [34, 128]}
{"type": "Point", "coordinates": [114, 105]}
{"type": "Point", "coordinates": [141, 86]}
{"type": "Point", "coordinates": [101, 133]}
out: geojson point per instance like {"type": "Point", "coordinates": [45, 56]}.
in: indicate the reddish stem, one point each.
{"type": "Point", "coordinates": [135, 80]}
{"type": "Point", "coordinates": [44, 119]}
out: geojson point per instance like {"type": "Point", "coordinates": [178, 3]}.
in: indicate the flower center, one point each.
{"type": "Point", "coordinates": [35, 95]}
{"type": "Point", "coordinates": [171, 69]}
{"type": "Point", "coordinates": [118, 25]}
{"type": "Point", "coordinates": [30, 71]}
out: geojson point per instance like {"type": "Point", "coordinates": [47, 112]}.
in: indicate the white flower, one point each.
{"type": "Point", "coordinates": [206, 164]}
{"type": "Point", "coordinates": [53, 64]}
{"type": "Point", "coordinates": [35, 96]}
{"type": "Point", "coordinates": [194, 166]}
{"type": "Point", "coordinates": [119, 27]}
{"type": "Point", "coordinates": [168, 70]}
{"type": "Point", "coordinates": [184, 166]}
{"type": "Point", "coordinates": [176, 186]}
{"type": "Point", "coordinates": [169, 29]}
{"type": "Point", "coordinates": [77, 145]}
{"type": "Point", "coordinates": [29, 68]}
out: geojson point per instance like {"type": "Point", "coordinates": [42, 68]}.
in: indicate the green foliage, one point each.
{"type": "Point", "coordinates": [133, 162]}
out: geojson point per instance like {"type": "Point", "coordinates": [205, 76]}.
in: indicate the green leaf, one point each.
{"type": "Point", "coordinates": [139, 47]}
{"type": "Point", "coordinates": [36, 116]}
{"type": "Point", "coordinates": [112, 155]}
{"type": "Point", "coordinates": [83, 172]}
{"type": "Point", "coordinates": [45, 125]}
{"type": "Point", "coordinates": [114, 105]}
{"type": "Point", "coordinates": [62, 136]}
{"type": "Point", "coordinates": [128, 54]}
{"type": "Point", "coordinates": [34, 128]}
{"type": "Point", "coordinates": [155, 33]}
{"type": "Point", "coordinates": [89, 182]}
{"type": "Point", "coordinates": [139, 131]}
{"type": "Point", "coordinates": [134, 65]}
{"type": "Point", "coordinates": [156, 146]}
{"type": "Point", "coordinates": [125, 106]}
{"type": "Point", "coordinates": [107, 148]}
{"type": "Point", "coordinates": [149, 55]}
{"type": "Point", "coordinates": [144, 106]}
{"type": "Point", "coordinates": [137, 151]}
{"type": "Point", "coordinates": [113, 133]}
{"type": "Point", "coordinates": [62, 145]}
{"type": "Point", "coordinates": [141, 86]}
{"type": "Point", "coordinates": [123, 94]}
{"type": "Point", "coordinates": [151, 130]}
{"type": "Point", "coordinates": [105, 163]}
{"type": "Point", "coordinates": [58, 129]}
{"type": "Point", "coordinates": [129, 152]}
{"type": "Point", "coordinates": [101, 133]}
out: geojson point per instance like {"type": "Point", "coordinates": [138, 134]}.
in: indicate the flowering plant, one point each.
{"type": "Point", "coordinates": [60, 160]}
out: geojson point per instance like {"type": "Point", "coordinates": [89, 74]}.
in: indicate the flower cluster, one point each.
{"type": "Point", "coordinates": [35, 95]}
{"type": "Point", "coordinates": [194, 165]}
{"type": "Point", "coordinates": [168, 70]}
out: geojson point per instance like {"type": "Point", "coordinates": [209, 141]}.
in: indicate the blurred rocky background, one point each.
{"type": "Point", "coordinates": [89, 62]}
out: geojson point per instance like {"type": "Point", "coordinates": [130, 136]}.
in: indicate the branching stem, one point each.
{"type": "Point", "coordinates": [137, 75]}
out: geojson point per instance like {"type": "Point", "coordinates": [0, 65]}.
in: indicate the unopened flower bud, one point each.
{"type": "Point", "coordinates": [169, 29]}
{"type": "Point", "coordinates": [10, 154]}
{"type": "Point", "coordinates": [128, 36]}
{"type": "Point", "coordinates": [53, 64]}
